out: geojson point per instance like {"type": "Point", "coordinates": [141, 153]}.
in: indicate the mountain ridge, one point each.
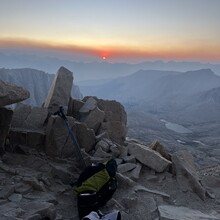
{"type": "Point", "coordinates": [97, 69]}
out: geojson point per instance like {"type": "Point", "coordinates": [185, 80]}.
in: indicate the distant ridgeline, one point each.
{"type": "Point", "coordinates": [35, 81]}
{"type": "Point", "coordinates": [193, 94]}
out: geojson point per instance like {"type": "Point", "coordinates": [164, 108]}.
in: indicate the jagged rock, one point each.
{"type": "Point", "coordinates": [3, 201]}
{"type": "Point", "coordinates": [90, 104]}
{"type": "Point", "coordinates": [6, 192]}
{"type": "Point", "coordinates": [15, 197]}
{"type": "Point", "coordinates": [128, 202]}
{"type": "Point", "coordinates": [135, 173]}
{"type": "Point", "coordinates": [94, 119]}
{"type": "Point", "coordinates": [102, 154]}
{"type": "Point", "coordinates": [148, 157]}
{"type": "Point", "coordinates": [104, 145]}
{"type": "Point", "coordinates": [116, 130]}
{"type": "Point", "coordinates": [63, 173]}
{"type": "Point", "coordinates": [86, 136]}
{"type": "Point", "coordinates": [114, 150]}
{"type": "Point", "coordinates": [43, 209]}
{"type": "Point", "coordinates": [11, 210]}
{"type": "Point", "coordinates": [7, 168]}
{"type": "Point", "coordinates": [21, 112]}
{"type": "Point", "coordinates": [129, 159]}
{"type": "Point", "coordinates": [186, 175]}
{"type": "Point", "coordinates": [98, 160]}
{"type": "Point", "coordinates": [34, 139]}
{"type": "Point", "coordinates": [160, 149]}
{"type": "Point", "coordinates": [123, 168]}
{"type": "Point", "coordinates": [58, 142]}
{"type": "Point", "coordinates": [22, 188]}
{"type": "Point", "coordinates": [60, 90]}
{"type": "Point", "coordinates": [119, 161]}
{"type": "Point", "coordinates": [28, 118]}
{"type": "Point", "coordinates": [212, 185]}
{"type": "Point", "coordinates": [41, 196]}
{"type": "Point", "coordinates": [115, 120]}
{"type": "Point", "coordinates": [123, 151]}
{"type": "Point", "coordinates": [125, 181]}
{"type": "Point", "coordinates": [10, 93]}
{"type": "Point", "coordinates": [114, 111]}
{"type": "Point", "coordinates": [107, 140]}
{"type": "Point", "coordinates": [101, 136]}
{"type": "Point", "coordinates": [75, 93]}
{"type": "Point", "coordinates": [5, 121]}
{"type": "Point", "coordinates": [140, 188]}
{"type": "Point", "coordinates": [33, 182]}
{"type": "Point", "coordinates": [136, 206]}
{"type": "Point", "coordinates": [168, 212]}
{"type": "Point", "coordinates": [74, 107]}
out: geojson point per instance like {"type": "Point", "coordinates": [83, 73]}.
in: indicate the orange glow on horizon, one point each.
{"type": "Point", "coordinates": [186, 52]}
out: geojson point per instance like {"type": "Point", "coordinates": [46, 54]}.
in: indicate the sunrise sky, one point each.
{"type": "Point", "coordinates": [116, 30]}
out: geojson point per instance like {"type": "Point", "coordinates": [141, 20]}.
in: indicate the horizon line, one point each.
{"type": "Point", "coordinates": [109, 52]}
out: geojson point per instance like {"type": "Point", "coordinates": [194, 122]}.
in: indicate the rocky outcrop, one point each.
{"type": "Point", "coordinates": [91, 114]}
{"type": "Point", "coordinates": [60, 90]}
{"type": "Point", "coordinates": [58, 142]}
{"type": "Point", "coordinates": [160, 149]}
{"type": "Point", "coordinates": [5, 121]}
{"type": "Point", "coordinates": [28, 126]}
{"type": "Point", "coordinates": [85, 136]}
{"type": "Point", "coordinates": [115, 121]}
{"type": "Point", "coordinates": [103, 116]}
{"type": "Point", "coordinates": [115, 130]}
{"type": "Point", "coordinates": [148, 157]}
{"type": "Point", "coordinates": [167, 212]}
{"type": "Point", "coordinates": [29, 118]}
{"type": "Point", "coordinates": [74, 107]}
{"type": "Point", "coordinates": [10, 93]}
{"type": "Point", "coordinates": [185, 171]}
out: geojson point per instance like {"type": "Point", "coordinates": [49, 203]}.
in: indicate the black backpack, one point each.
{"type": "Point", "coordinates": [91, 195]}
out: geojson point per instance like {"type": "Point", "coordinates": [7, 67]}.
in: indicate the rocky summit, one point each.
{"type": "Point", "coordinates": [39, 161]}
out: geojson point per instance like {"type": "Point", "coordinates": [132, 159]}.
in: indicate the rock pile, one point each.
{"type": "Point", "coordinates": [40, 162]}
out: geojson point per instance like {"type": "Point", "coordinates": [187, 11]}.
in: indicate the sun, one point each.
{"type": "Point", "coordinates": [104, 58]}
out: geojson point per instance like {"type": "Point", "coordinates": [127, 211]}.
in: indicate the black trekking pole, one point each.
{"type": "Point", "coordinates": [72, 135]}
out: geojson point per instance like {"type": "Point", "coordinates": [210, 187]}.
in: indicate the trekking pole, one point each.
{"type": "Point", "coordinates": [72, 135]}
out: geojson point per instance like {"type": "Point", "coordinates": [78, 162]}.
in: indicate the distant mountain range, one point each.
{"type": "Point", "coordinates": [96, 70]}
{"type": "Point", "coordinates": [36, 82]}
{"type": "Point", "coordinates": [165, 92]}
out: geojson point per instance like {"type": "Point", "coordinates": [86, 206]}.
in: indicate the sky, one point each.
{"type": "Point", "coordinates": [114, 30]}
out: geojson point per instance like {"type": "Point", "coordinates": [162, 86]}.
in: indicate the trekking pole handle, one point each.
{"type": "Point", "coordinates": [61, 113]}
